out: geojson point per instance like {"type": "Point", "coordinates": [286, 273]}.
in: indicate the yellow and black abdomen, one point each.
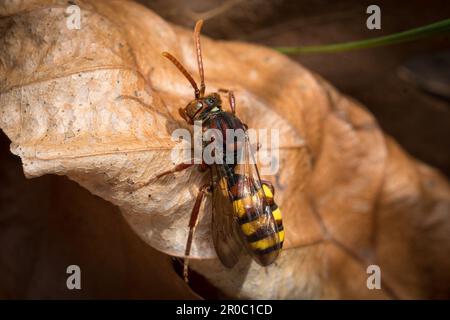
{"type": "Point", "coordinates": [260, 221]}
{"type": "Point", "coordinates": [258, 217]}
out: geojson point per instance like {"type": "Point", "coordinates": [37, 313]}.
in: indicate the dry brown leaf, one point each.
{"type": "Point", "coordinates": [99, 104]}
{"type": "Point", "coordinates": [49, 223]}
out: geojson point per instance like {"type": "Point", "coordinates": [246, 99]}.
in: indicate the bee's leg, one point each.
{"type": "Point", "coordinates": [231, 99]}
{"type": "Point", "coordinates": [192, 224]}
{"type": "Point", "coordinates": [183, 166]}
{"type": "Point", "coordinates": [177, 168]}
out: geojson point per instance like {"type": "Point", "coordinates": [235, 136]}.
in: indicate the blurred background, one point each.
{"type": "Point", "coordinates": [55, 223]}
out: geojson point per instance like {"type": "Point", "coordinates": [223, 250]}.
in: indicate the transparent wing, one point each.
{"type": "Point", "coordinates": [224, 225]}
{"type": "Point", "coordinates": [258, 226]}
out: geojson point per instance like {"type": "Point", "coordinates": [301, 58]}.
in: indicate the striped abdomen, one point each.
{"type": "Point", "coordinates": [258, 216]}
{"type": "Point", "coordinates": [260, 222]}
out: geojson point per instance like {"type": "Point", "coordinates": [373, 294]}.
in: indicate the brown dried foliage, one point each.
{"type": "Point", "coordinates": [99, 104]}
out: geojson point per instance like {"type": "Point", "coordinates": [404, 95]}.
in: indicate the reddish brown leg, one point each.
{"type": "Point", "coordinates": [192, 224]}
{"type": "Point", "coordinates": [177, 168]}
{"type": "Point", "coordinates": [183, 166]}
{"type": "Point", "coordinates": [231, 99]}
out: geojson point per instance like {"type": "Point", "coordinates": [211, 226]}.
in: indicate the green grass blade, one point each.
{"type": "Point", "coordinates": [429, 30]}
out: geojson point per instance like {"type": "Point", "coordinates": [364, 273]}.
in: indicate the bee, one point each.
{"type": "Point", "coordinates": [245, 217]}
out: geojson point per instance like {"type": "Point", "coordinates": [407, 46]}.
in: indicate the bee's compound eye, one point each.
{"type": "Point", "coordinates": [210, 101]}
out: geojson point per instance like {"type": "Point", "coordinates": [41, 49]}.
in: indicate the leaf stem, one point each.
{"type": "Point", "coordinates": [429, 30]}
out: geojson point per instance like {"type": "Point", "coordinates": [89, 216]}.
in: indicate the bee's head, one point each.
{"type": "Point", "coordinates": [201, 105]}
{"type": "Point", "coordinates": [198, 108]}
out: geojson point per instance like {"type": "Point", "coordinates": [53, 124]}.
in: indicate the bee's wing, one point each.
{"type": "Point", "coordinates": [224, 225]}
{"type": "Point", "coordinates": [258, 226]}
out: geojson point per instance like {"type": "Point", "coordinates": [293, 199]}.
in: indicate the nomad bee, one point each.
{"type": "Point", "coordinates": [244, 212]}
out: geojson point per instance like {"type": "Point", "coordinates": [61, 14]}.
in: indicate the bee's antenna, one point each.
{"type": "Point", "coordinates": [184, 71]}
{"type": "Point", "coordinates": [197, 29]}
